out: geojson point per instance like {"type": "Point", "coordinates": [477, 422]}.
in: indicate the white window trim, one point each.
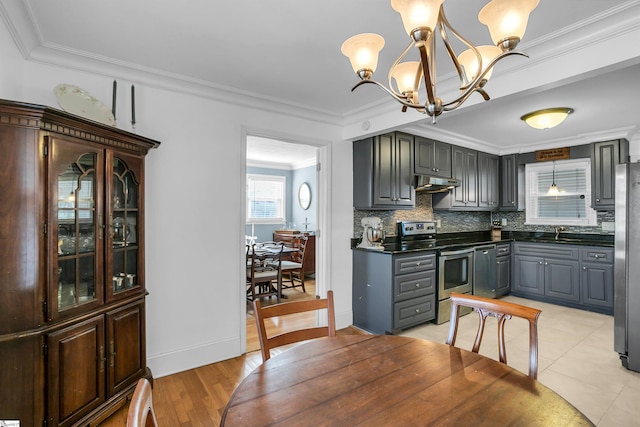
{"type": "Point", "coordinates": [531, 171]}
{"type": "Point", "coordinates": [275, 178]}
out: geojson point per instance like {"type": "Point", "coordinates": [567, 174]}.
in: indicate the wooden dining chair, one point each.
{"type": "Point", "coordinates": [293, 269]}
{"type": "Point", "coordinates": [141, 413]}
{"type": "Point", "coordinates": [503, 311]}
{"type": "Point", "coordinates": [262, 313]}
{"type": "Point", "coordinates": [264, 266]}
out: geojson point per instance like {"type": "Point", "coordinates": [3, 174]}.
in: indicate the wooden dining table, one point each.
{"type": "Point", "coordinates": [386, 380]}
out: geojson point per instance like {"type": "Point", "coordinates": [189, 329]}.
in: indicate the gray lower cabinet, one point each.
{"type": "Point", "coordinates": [596, 277]}
{"type": "Point", "coordinates": [577, 276]}
{"type": "Point", "coordinates": [503, 269]}
{"type": "Point", "coordinates": [393, 292]}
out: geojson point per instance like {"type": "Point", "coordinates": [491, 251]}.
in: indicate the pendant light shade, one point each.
{"type": "Point", "coordinates": [547, 118]}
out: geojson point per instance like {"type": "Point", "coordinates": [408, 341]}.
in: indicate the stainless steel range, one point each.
{"type": "Point", "coordinates": [455, 266]}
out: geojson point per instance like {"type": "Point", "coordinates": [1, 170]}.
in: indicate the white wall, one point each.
{"type": "Point", "coordinates": [194, 248]}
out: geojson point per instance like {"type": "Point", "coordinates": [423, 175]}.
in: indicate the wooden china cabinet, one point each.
{"type": "Point", "coordinates": [72, 310]}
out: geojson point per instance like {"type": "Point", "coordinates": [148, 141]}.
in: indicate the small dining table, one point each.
{"type": "Point", "coordinates": [386, 380]}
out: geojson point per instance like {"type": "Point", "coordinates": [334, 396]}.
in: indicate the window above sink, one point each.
{"type": "Point", "coordinates": [571, 204]}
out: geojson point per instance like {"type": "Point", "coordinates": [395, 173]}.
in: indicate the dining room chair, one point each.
{"type": "Point", "coordinates": [141, 413]}
{"type": "Point", "coordinates": [290, 337]}
{"type": "Point", "coordinates": [293, 268]}
{"type": "Point", "coordinates": [502, 311]}
{"type": "Point", "coordinates": [264, 267]}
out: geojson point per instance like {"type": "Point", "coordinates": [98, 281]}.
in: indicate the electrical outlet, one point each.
{"type": "Point", "coordinates": [504, 222]}
{"type": "Point", "coordinates": [438, 223]}
{"type": "Point", "coordinates": [608, 226]}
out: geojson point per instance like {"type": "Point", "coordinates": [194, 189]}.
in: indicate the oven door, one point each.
{"type": "Point", "coordinates": [456, 272]}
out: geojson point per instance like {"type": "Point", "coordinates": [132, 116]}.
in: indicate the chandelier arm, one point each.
{"type": "Point", "coordinates": [444, 25]}
{"type": "Point", "coordinates": [393, 67]}
{"type": "Point", "coordinates": [426, 68]}
{"type": "Point", "coordinates": [401, 99]}
{"type": "Point", "coordinates": [473, 86]}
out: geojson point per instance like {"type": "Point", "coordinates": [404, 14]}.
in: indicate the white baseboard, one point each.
{"type": "Point", "coordinates": [183, 359]}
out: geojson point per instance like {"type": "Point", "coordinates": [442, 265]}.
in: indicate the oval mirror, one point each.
{"type": "Point", "coordinates": [304, 196]}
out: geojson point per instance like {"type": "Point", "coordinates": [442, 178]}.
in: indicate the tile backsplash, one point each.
{"type": "Point", "coordinates": [452, 222]}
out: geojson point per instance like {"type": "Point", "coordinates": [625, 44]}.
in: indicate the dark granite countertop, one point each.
{"type": "Point", "coordinates": [454, 241]}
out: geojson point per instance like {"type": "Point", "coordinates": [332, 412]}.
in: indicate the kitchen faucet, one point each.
{"type": "Point", "coordinates": [558, 230]}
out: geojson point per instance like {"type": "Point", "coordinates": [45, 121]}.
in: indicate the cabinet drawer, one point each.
{"type": "Point", "coordinates": [414, 311]}
{"type": "Point", "coordinates": [411, 263]}
{"type": "Point", "coordinates": [592, 254]}
{"type": "Point", "coordinates": [503, 249]}
{"type": "Point", "coordinates": [414, 285]}
{"type": "Point", "coordinates": [547, 250]}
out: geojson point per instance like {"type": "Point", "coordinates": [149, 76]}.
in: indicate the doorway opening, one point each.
{"type": "Point", "coordinates": [282, 205]}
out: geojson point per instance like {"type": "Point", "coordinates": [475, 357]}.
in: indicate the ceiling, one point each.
{"type": "Point", "coordinates": [287, 53]}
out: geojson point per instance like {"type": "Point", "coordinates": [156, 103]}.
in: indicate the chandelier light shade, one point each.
{"type": "Point", "coordinates": [423, 21]}
{"type": "Point", "coordinates": [362, 50]}
{"type": "Point", "coordinates": [417, 14]}
{"type": "Point", "coordinates": [547, 118]}
{"type": "Point", "coordinates": [507, 19]}
{"type": "Point", "coordinates": [471, 66]}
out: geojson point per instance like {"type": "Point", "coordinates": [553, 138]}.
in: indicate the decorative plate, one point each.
{"type": "Point", "coordinates": [78, 101]}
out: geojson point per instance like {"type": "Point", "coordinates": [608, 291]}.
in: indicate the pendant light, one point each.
{"type": "Point", "coordinates": [553, 190]}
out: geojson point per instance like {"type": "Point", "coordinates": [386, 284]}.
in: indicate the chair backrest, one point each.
{"type": "Point", "coordinates": [141, 412]}
{"type": "Point", "coordinates": [501, 310]}
{"type": "Point", "coordinates": [262, 313]}
{"type": "Point", "coordinates": [301, 245]}
{"type": "Point", "coordinates": [264, 259]}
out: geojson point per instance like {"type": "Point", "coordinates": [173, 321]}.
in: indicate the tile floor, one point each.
{"type": "Point", "coordinates": [575, 358]}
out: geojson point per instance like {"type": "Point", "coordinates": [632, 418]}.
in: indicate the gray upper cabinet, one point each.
{"type": "Point", "coordinates": [383, 172]}
{"type": "Point", "coordinates": [511, 183]}
{"type": "Point", "coordinates": [488, 186]}
{"type": "Point", "coordinates": [464, 166]}
{"type": "Point", "coordinates": [606, 155]}
{"type": "Point", "coordinates": [432, 157]}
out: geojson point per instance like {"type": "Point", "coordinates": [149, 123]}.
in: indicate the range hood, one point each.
{"type": "Point", "coordinates": [432, 184]}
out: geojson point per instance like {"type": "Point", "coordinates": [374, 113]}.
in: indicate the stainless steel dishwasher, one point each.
{"type": "Point", "coordinates": [484, 271]}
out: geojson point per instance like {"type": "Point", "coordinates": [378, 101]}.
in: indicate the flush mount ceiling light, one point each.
{"type": "Point", "coordinates": [422, 19]}
{"type": "Point", "coordinates": [547, 118]}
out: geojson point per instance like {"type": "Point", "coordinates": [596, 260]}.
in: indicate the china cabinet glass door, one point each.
{"type": "Point", "coordinates": [124, 217]}
{"type": "Point", "coordinates": [75, 227]}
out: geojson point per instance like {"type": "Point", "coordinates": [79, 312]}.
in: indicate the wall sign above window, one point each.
{"type": "Point", "coordinates": [552, 154]}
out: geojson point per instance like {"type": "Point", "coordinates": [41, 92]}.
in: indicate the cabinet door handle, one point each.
{"type": "Point", "coordinates": [540, 262]}
{"type": "Point", "coordinates": [417, 263]}
{"type": "Point", "coordinates": [417, 310]}
{"type": "Point", "coordinates": [546, 263]}
{"type": "Point", "coordinates": [417, 285]}
{"type": "Point", "coordinates": [112, 354]}
{"type": "Point", "coordinates": [584, 268]}
{"type": "Point", "coordinates": [101, 359]}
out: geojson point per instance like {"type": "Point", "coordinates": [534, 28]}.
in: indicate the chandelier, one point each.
{"type": "Point", "coordinates": [422, 19]}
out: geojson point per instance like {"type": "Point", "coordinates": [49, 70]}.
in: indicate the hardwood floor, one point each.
{"type": "Point", "coordinates": [197, 397]}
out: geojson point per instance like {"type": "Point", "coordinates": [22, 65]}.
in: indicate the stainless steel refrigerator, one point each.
{"type": "Point", "coordinates": [627, 266]}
